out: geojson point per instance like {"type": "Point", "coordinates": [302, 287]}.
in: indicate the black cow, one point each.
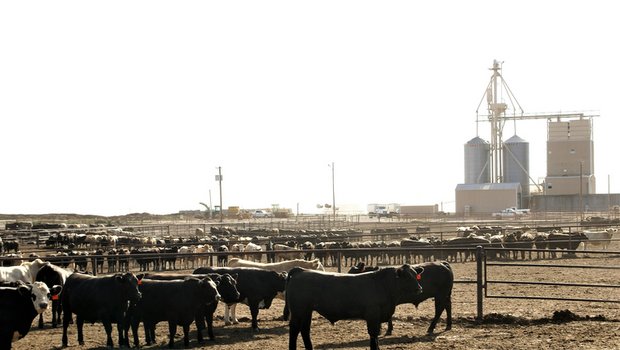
{"type": "Point", "coordinates": [563, 241]}
{"type": "Point", "coordinates": [19, 306]}
{"type": "Point", "coordinates": [95, 299]}
{"type": "Point", "coordinates": [52, 275]}
{"type": "Point", "coordinates": [370, 296]}
{"type": "Point", "coordinates": [436, 282]}
{"type": "Point", "coordinates": [361, 267]}
{"type": "Point", "coordinates": [226, 286]}
{"type": "Point", "coordinates": [256, 287]}
{"type": "Point", "coordinates": [179, 302]}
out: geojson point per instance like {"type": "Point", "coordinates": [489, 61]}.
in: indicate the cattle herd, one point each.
{"type": "Point", "coordinates": [138, 275]}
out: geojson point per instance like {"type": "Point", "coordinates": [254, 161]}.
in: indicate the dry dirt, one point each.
{"type": "Point", "coordinates": [509, 323]}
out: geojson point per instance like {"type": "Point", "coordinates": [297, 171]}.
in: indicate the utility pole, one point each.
{"type": "Point", "coordinates": [219, 178]}
{"type": "Point", "coordinates": [333, 193]}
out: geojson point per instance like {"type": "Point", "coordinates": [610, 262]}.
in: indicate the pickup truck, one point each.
{"type": "Point", "coordinates": [511, 213]}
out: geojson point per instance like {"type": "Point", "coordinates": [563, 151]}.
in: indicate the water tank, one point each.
{"type": "Point", "coordinates": [477, 157]}
{"type": "Point", "coordinates": [516, 161]}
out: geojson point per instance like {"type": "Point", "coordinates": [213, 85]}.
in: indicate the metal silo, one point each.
{"type": "Point", "coordinates": [516, 163]}
{"type": "Point", "coordinates": [477, 156]}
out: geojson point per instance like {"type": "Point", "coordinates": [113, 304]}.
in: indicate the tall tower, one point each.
{"type": "Point", "coordinates": [570, 157]}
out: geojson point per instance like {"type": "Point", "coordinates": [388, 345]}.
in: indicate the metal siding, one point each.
{"type": "Point", "coordinates": [513, 172]}
{"type": "Point", "coordinates": [477, 155]}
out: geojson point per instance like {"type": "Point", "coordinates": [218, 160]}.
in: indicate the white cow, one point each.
{"type": "Point", "coordinates": [282, 266]}
{"type": "Point", "coordinates": [293, 253]}
{"type": "Point", "coordinates": [26, 272]}
{"type": "Point", "coordinates": [251, 247]}
{"type": "Point", "coordinates": [599, 238]}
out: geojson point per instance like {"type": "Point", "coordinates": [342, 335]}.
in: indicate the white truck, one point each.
{"type": "Point", "coordinates": [511, 212]}
{"type": "Point", "coordinates": [383, 210]}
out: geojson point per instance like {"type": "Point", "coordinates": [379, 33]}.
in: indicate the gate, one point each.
{"type": "Point", "coordinates": [485, 280]}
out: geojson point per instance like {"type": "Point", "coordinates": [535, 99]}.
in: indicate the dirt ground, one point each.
{"type": "Point", "coordinates": [508, 323]}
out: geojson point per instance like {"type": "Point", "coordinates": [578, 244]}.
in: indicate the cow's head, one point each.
{"type": "Point", "coordinates": [40, 294]}
{"type": "Point", "coordinates": [227, 287]}
{"type": "Point", "coordinates": [129, 283]}
{"type": "Point", "coordinates": [411, 277]}
{"type": "Point", "coordinates": [205, 289]}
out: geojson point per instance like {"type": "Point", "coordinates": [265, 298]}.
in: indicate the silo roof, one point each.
{"type": "Point", "coordinates": [476, 140]}
{"type": "Point", "coordinates": [515, 139]}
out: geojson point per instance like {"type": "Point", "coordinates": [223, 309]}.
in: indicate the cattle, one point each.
{"type": "Point", "coordinates": [226, 287]}
{"type": "Point", "coordinates": [257, 288]}
{"type": "Point", "coordinates": [26, 272]}
{"type": "Point", "coordinates": [599, 238]}
{"type": "Point", "coordinates": [436, 282]}
{"type": "Point", "coordinates": [253, 248]}
{"type": "Point", "coordinates": [361, 267]}
{"type": "Point", "coordinates": [290, 253]}
{"type": "Point", "coordinates": [463, 246]}
{"type": "Point", "coordinates": [19, 306]}
{"type": "Point", "coordinates": [563, 241]}
{"type": "Point", "coordinates": [282, 266]}
{"type": "Point", "coordinates": [179, 302]}
{"type": "Point", "coordinates": [94, 299]}
{"type": "Point", "coordinates": [330, 294]}
{"type": "Point", "coordinates": [52, 275]}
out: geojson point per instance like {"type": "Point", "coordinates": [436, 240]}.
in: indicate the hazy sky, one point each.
{"type": "Point", "coordinates": [113, 107]}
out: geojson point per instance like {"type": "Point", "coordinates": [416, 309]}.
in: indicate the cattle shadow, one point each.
{"type": "Point", "coordinates": [383, 341]}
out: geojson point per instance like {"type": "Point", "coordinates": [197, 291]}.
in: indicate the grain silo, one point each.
{"type": "Point", "coordinates": [516, 163]}
{"type": "Point", "coordinates": [477, 153]}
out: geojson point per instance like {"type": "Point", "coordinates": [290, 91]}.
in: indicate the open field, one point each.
{"type": "Point", "coordinates": [508, 323]}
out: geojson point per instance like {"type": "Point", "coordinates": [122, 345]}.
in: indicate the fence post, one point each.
{"type": "Point", "coordinates": [94, 263]}
{"type": "Point", "coordinates": [479, 282]}
{"type": "Point", "coordinates": [339, 255]}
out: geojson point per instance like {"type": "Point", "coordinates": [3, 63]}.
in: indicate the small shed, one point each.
{"type": "Point", "coordinates": [486, 198]}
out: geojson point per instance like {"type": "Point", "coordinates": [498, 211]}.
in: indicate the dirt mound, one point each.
{"type": "Point", "coordinates": [495, 318]}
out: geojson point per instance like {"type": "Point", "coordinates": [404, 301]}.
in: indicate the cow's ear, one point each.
{"type": "Point", "coordinates": [140, 276]}
{"type": "Point", "coordinates": [56, 290]}
{"type": "Point", "coordinates": [24, 290]}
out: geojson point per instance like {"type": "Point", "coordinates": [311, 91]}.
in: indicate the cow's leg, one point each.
{"type": "Point", "coordinates": [439, 307]}
{"type": "Point", "coordinates": [254, 313]}
{"type": "Point", "coordinates": [294, 327]}
{"type": "Point", "coordinates": [233, 313]}
{"type": "Point", "coordinates": [209, 318]}
{"type": "Point", "coordinates": [79, 322]}
{"type": "Point", "coordinates": [122, 331]}
{"type": "Point", "coordinates": [227, 315]}
{"type": "Point", "coordinates": [41, 320]}
{"type": "Point", "coordinates": [135, 322]}
{"type": "Point", "coordinates": [390, 327]}
{"type": "Point", "coordinates": [107, 325]}
{"type": "Point", "coordinates": [199, 318]}
{"type": "Point", "coordinates": [448, 306]}
{"type": "Point", "coordinates": [374, 328]}
{"type": "Point", "coordinates": [6, 335]}
{"type": "Point", "coordinates": [172, 331]}
{"type": "Point", "coordinates": [305, 331]}
{"type": "Point", "coordinates": [186, 335]}
{"type": "Point", "coordinates": [65, 323]}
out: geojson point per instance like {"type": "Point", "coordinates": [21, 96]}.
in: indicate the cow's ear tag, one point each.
{"type": "Point", "coordinates": [418, 276]}
{"type": "Point", "coordinates": [55, 297]}
{"type": "Point", "coordinates": [140, 282]}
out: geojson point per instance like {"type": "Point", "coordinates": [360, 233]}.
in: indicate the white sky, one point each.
{"type": "Point", "coordinates": [114, 107]}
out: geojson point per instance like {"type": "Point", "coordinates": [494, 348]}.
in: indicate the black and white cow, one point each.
{"type": "Point", "coordinates": [179, 302]}
{"type": "Point", "coordinates": [226, 287]}
{"type": "Point", "coordinates": [53, 275]}
{"type": "Point", "coordinates": [19, 306]}
{"type": "Point", "coordinates": [370, 296]}
{"type": "Point", "coordinates": [257, 289]}
{"type": "Point", "coordinates": [93, 299]}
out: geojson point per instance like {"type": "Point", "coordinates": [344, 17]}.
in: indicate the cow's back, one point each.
{"type": "Point", "coordinates": [92, 297]}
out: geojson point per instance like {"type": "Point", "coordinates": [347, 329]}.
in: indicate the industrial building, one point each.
{"type": "Point", "coordinates": [497, 174]}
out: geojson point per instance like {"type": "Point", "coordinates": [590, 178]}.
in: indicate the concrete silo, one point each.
{"type": "Point", "coordinates": [477, 156]}
{"type": "Point", "coordinates": [516, 163]}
